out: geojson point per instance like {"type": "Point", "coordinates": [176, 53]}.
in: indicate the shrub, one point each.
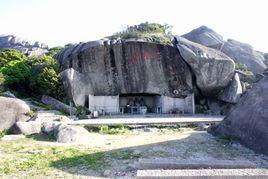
{"type": "Point", "coordinates": [16, 75]}
{"type": "Point", "coordinates": [49, 83]}
{"type": "Point", "coordinates": [151, 32]}
{"type": "Point", "coordinates": [9, 55]}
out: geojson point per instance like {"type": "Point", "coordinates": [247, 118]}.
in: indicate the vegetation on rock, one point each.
{"type": "Point", "coordinates": [151, 32]}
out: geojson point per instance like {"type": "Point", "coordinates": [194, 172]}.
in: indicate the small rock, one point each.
{"type": "Point", "coordinates": [107, 173]}
{"type": "Point", "coordinates": [28, 128]}
{"type": "Point", "coordinates": [150, 129]}
{"type": "Point", "coordinates": [72, 134]}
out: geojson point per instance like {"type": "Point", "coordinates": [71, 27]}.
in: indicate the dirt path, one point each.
{"type": "Point", "coordinates": [122, 151]}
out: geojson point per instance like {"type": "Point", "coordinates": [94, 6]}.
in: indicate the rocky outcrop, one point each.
{"type": "Point", "coordinates": [13, 42]}
{"type": "Point", "coordinates": [112, 68]}
{"type": "Point", "coordinates": [240, 52]}
{"type": "Point", "coordinates": [205, 36]}
{"type": "Point", "coordinates": [248, 120]}
{"type": "Point", "coordinates": [244, 54]}
{"type": "Point", "coordinates": [232, 93]}
{"type": "Point", "coordinates": [58, 105]}
{"type": "Point", "coordinates": [213, 69]}
{"type": "Point", "coordinates": [12, 110]}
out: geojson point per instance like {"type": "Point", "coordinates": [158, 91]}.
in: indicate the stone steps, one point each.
{"type": "Point", "coordinates": [192, 164]}
{"type": "Point", "coordinates": [205, 174]}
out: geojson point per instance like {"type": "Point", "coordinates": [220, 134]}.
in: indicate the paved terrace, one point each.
{"type": "Point", "coordinates": [148, 119]}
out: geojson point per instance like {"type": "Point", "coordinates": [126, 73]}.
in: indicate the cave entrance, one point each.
{"type": "Point", "coordinates": [140, 103]}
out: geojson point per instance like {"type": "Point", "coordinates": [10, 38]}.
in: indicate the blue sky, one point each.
{"type": "Point", "coordinates": [58, 22]}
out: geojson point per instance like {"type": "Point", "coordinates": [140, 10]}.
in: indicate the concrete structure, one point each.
{"type": "Point", "coordinates": [151, 103]}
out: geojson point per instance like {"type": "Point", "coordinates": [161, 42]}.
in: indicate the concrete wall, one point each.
{"type": "Point", "coordinates": [109, 104]}
{"type": "Point", "coordinates": [183, 104]}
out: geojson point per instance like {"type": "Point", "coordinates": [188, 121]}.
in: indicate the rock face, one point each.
{"type": "Point", "coordinates": [13, 42]}
{"type": "Point", "coordinates": [213, 69]}
{"type": "Point", "coordinates": [205, 36]}
{"type": "Point", "coordinates": [109, 68]}
{"type": "Point", "coordinates": [248, 121]}
{"type": "Point", "coordinates": [232, 93]}
{"type": "Point", "coordinates": [240, 52]}
{"type": "Point", "coordinates": [12, 110]}
{"type": "Point", "coordinates": [244, 54]}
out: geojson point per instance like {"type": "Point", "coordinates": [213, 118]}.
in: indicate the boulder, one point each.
{"type": "Point", "coordinates": [248, 120]}
{"type": "Point", "coordinates": [213, 70]}
{"type": "Point", "coordinates": [11, 111]}
{"type": "Point", "coordinates": [50, 127]}
{"type": "Point", "coordinates": [125, 67]}
{"type": "Point", "coordinates": [240, 52]}
{"type": "Point", "coordinates": [232, 93]}
{"type": "Point", "coordinates": [205, 36]}
{"type": "Point", "coordinates": [244, 54]}
{"type": "Point", "coordinates": [28, 128]}
{"type": "Point", "coordinates": [72, 134]}
{"type": "Point", "coordinates": [57, 104]}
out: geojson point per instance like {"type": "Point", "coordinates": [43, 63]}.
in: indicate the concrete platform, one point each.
{"type": "Point", "coordinates": [143, 164]}
{"type": "Point", "coordinates": [141, 120]}
{"type": "Point", "coordinates": [205, 174]}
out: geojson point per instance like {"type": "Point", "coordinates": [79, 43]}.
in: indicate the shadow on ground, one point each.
{"type": "Point", "coordinates": [120, 162]}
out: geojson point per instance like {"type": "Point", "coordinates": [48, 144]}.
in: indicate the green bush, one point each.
{"type": "Point", "coordinates": [16, 75]}
{"type": "Point", "coordinates": [151, 32]}
{"type": "Point", "coordinates": [48, 82]}
{"type": "Point", "coordinates": [9, 55]}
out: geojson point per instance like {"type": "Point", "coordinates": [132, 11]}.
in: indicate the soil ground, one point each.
{"type": "Point", "coordinates": [114, 155]}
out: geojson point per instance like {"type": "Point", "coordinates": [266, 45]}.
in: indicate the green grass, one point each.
{"type": "Point", "coordinates": [120, 129]}
{"type": "Point", "coordinates": [31, 158]}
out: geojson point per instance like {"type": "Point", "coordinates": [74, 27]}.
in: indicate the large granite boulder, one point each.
{"type": "Point", "coordinates": [11, 111]}
{"type": "Point", "coordinates": [24, 46]}
{"type": "Point", "coordinates": [213, 69]}
{"type": "Point", "coordinates": [244, 54]}
{"type": "Point", "coordinates": [232, 93]}
{"type": "Point", "coordinates": [240, 52]}
{"type": "Point", "coordinates": [113, 68]}
{"type": "Point", "coordinates": [205, 36]}
{"type": "Point", "coordinates": [248, 120]}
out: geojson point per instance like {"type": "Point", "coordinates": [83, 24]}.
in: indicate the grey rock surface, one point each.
{"type": "Point", "coordinates": [248, 120]}
{"type": "Point", "coordinates": [232, 93]}
{"type": "Point", "coordinates": [213, 69]}
{"type": "Point", "coordinates": [244, 54]}
{"type": "Point", "coordinates": [205, 36]}
{"type": "Point", "coordinates": [122, 68]}
{"type": "Point", "coordinates": [240, 52]}
{"type": "Point", "coordinates": [57, 104]}
{"type": "Point", "coordinates": [72, 134]}
{"type": "Point", "coordinates": [13, 42]}
{"type": "Point", "coordinates": [28, 128]}
{"type": "Point", "coordinates": [11, 111]}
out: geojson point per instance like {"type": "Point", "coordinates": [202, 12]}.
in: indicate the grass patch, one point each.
{"type": "Point", "coordinates": [120, 129]}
